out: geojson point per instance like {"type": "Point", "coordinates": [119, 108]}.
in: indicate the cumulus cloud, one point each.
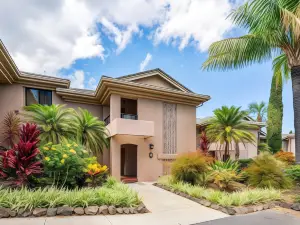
{"type": "Point", "coordinates": [77, 79]}
{"type": "Point", "coordinates": [92, 83]}
{"type": "Point", "coordinates": [145, 62]}
{"type": "Point", "coordinates": [46, 36]}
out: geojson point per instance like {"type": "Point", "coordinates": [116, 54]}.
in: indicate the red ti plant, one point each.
{"type": "Point", "coordinates": [204, 142]}
{"type": "Point", "coordinates": [21, 159]}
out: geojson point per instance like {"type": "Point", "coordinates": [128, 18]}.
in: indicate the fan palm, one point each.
{"type": "Point", "coordinates": [91, 132]}
{"type": "Point", "coordinates": [273, 33]}
{"type": "Point", "coordinates": [227, 127]}
{"type": "Point", "coordinates": [258, 109]}
{"type": "Point", "coordinates": [55, 122]}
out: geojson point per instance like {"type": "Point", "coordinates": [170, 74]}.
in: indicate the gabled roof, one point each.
{"type": "Point", "coordinates": [155, 72]}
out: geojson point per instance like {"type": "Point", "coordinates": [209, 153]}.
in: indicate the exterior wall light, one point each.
{"type": "Point", "coordinates": [151, 146]}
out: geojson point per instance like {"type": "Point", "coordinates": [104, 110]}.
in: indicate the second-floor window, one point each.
{"type": "Point", "coordinates": [38, 96]}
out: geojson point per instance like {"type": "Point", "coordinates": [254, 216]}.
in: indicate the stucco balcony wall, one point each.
{"type": "Point", "coordinates": [121, 126]}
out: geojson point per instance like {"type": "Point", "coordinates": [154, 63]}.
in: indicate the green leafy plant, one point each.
{"type": "Point", "coordinates": [229, 165]}
{"type": "Point", "coordinates": [11, 129]}
{"type": "Point", "coordinates": [264, 147]}
{"type": "Point", "coordinates": [244, 163]}
{"type": "Point", "coordinates": [267, 171]}
{"type": "Point", "coordinates": [187, 167]}
{"type": "Point", "coordinates": [228, 126]}
{"type": "Point", "coordinates": [64, 164]}
{"type": "Point", "coordinates": [294, 173]}
{"type": "Point", "coordinates": [92, 133]}
{"type": "Point", "coordinates": [56, 123]}
{"type": "Point", "coordinates": [238, 198]}
{"type": "Point", "coordinates": [96, 174]}
{"type": "Point", "coordinates": [226, 179]}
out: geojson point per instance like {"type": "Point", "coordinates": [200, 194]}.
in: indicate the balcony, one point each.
{"type": "Point", "coordinates": [132, 127]}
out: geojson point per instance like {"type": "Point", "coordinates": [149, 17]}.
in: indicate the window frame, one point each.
{"type": "Point", "coordinates": [39, 95]}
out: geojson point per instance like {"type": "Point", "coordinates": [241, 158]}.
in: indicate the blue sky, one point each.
{"type": "Point", "coordinates": [236, 87]}
{"type": "Point", "coordinates": [83, 40]}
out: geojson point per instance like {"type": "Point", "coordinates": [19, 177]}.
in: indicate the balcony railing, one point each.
{"type": "Point", "coordinates": [107, 120]}
{"type": "Point", "coordinates": [129, 116]}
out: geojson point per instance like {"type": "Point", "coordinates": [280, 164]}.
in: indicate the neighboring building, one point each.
{"type": "Point", "coordinates": [249, 150]}
{"type": "Point", "coordinates": [288, 143]}
{"type": "Point", "coordinates": [150, 116]}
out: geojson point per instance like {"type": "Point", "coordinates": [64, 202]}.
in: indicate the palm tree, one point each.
{"type": "Point", "coordinates": [273, 32]}
{"type": "Point", "coordinates": [55, 122]}
{"type": "Point", "coordinates": [228, 127]}
{"type": "Point", "coordinates": [91, 132]}
{"type": "Point", "coordinates": [258, 109]}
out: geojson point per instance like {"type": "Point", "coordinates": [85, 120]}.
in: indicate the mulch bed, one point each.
{"type": "Point", "coordinates": [234, 210]}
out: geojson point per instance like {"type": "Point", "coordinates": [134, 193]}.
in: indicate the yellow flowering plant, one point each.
{"type": "Point", "coordinates": [96, 173]}
{"type": "Point", "coordinates": [64, 164]}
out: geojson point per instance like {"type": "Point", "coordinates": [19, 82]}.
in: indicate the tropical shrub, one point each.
{"type": "Point", "coordinates": [287, 157]}
{"type": "Point", "coordinates": [263, 147]}
{"type": "Point", "coordinates": [227, 165]}
{"type": "Point", "coordinates": [244, 163]}
{"type": "Point", "coordinates": [238, 198]}
{"type": "Point", "coordinates": [64, 164]}
{"type": "Point", "coordinates": [11, 129]}
{"type": "Point", "coordinates": [96, 174]}
{"type": "Point", "coordinates": [92, 132]}
{"type": "Point", "coordinates": [267, 172]}
{"type": "Point", "coordinates": [22, 160]}
{"type": "Point", "coordinates": [204, 142]}
{"type": "Point", "coordinates": [119, 195]}
{"type": "Point", "coordinates": [294, 173]}
{"type": "Point", "coordinates": [55, 122]}
{"type": "Point", "coordinates": [187, 167]}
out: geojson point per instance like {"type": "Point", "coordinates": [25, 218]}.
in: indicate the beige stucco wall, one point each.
{"type": "Point", "coordinates": [155, 81]}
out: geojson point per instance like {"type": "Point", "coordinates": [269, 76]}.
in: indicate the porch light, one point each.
{"type": "Point", "coordinates": [151, 146]}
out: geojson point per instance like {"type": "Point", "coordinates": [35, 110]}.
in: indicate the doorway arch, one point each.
{"type": "Point", "coordinates": [128, 161]}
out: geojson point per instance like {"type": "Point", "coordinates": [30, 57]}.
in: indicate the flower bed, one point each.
{"type": "Point", "coordinates": [114, 197]}
{"type": "Point", "coordinates": [240, 202]}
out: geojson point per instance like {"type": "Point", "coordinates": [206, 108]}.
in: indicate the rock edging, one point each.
{"type": "Point", "coordinates": [233, 210]}
{"type": "Point", "coordinates": [70, 211]}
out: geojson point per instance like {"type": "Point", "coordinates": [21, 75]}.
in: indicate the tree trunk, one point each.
{"type": "Point", "coordinates": [226, 153]}
{"type": "Point", "coordinates": [295, 72]}
{"type": "Point", "coordinates": [237, 151]}
{"type": "Point", "coordinates": [275, 112]}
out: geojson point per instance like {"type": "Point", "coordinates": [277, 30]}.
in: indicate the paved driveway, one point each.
{"type": "Point", "coordinates": [166, 209]}
{"type": "Point", "coordinates": [270, 217]}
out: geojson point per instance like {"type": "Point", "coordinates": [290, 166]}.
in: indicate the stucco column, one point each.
{"type": "Point", "coordinates": [115, 107]}
{"type": "Point", "coordinates": [115, 158]}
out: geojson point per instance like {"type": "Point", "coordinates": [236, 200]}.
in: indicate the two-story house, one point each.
{"type": "Point", "coordinates": [150, 116]}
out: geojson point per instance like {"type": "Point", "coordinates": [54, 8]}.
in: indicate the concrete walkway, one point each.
{"type": "Point", "coordinates": [166, 209]}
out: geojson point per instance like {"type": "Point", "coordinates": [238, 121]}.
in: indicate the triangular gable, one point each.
{"type": "Point", "coordinates": [157, 78]}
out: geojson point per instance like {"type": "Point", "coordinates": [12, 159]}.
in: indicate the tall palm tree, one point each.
{"type": "Point", "coordinates": [258, 109]}
{"type": "Point", "coordinates": [273, 33]}
{"type": "Point", "coordinates": [228, 128]}
{"type": "Point", "coordinates": [91, 132]}
{"type": "Point", "coordinates": [55, 122]}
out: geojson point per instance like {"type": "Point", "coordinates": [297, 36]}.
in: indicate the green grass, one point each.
{"type": "Point", "coordinates": [112, 193]}
{"type": "Point", "coordinates": [240, 198]}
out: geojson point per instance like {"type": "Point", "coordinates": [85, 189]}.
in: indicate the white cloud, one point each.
{"type": "Point", "coordinates": [45, 36]}
{"type": "Point", "coordinates": [145, 62]}
{"type": "Point", "coordinates": [77, 79]}
{"type": "Point", "coordinates": [92, 83]}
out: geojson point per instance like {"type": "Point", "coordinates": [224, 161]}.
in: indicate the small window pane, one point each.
{"type": "Point", "coordinates": [32, 96]}
{"type": "Point", "coordinates": [45, 97]}
{"type": "Point", "coordinates": [35, 96]}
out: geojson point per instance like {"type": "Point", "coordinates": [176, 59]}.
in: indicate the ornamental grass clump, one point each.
{"type": "Point", "coordinates": [119, 195]}
{"type": "Point", "coordinates": [238, 198]}
{"type": "Point", "coordinates": [267, 172]}
{"type": "Point", "coordinates": [187, 167]}
{"type": "Point", "coordinates": [287, 157]}
{"type": "Point", "coordinates": [293, 172]}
